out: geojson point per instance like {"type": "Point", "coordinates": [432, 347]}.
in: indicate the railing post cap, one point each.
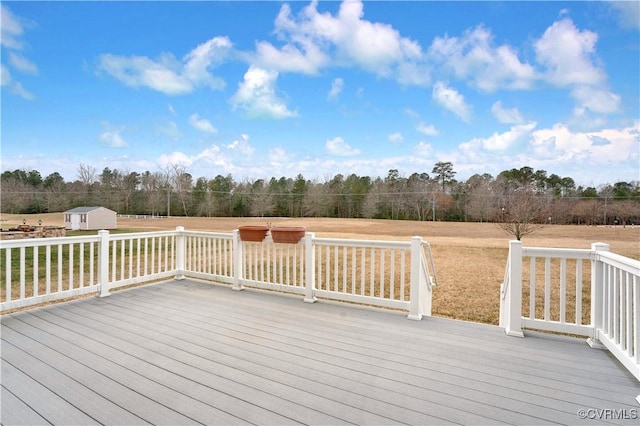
{"type": "Point", "coordinates": [179, 228]}
{"type": "Point", "coordinates": [600, 246]}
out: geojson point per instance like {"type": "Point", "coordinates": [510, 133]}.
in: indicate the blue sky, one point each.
{"type": "Point", "coordinates": [270, 89]}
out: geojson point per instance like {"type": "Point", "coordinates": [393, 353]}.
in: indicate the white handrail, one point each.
{"type": "Point", "coordinates": [431, 266]}
{"type": "Point", "coordinates": [622, 263]}
{"type": "Point", "coordinates": [614, 302]}
{"type": "Point", "coordinates": [504, 287]}
{"type": "Point", "coordinates": [377, 272]}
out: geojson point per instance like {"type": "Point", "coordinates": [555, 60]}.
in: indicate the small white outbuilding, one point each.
{"type": "Point", "coordinates": [90, 218]}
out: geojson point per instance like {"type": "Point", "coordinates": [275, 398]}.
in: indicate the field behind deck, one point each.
{"type": "Point", "coordinates": [470, 258]}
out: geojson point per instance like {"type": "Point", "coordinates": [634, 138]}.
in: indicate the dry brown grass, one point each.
{"type": "Point", "coordinates": [470, 258]}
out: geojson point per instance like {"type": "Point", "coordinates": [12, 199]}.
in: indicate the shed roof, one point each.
{"type": "Point", "coordinates": [86, 209]}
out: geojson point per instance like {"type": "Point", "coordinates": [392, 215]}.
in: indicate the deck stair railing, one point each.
{"type": "Point", "coordinates": [586, 292]}
{"type": "Point", "coordinates": [391, 274]}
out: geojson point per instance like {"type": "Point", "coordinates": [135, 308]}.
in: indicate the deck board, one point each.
{"type": "Point", "coordinates": [189, 352]}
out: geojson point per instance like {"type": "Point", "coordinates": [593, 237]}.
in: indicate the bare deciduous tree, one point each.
{"type": "Point", "coordinates": [182, 183]}
{"type": "Point", "coordinates": [482, 201]}
{"type": "Point", "coordinates": [521, 216]}
{"type": "Point", "coordinates": [153, 189]}
{"type": "Point", "coordinates": [262, 202]}
{"type": "Point", "coordinates": [626, 210]}
{"type": "Point", "coordinates": [587, 211]}
{"type": "Point", "coordinates": [87, 174]}
{"type": "Point", "coordinates": [315, 203]}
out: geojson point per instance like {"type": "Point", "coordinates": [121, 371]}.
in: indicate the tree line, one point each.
{"type": "Point", "coordinates": [172, 191]}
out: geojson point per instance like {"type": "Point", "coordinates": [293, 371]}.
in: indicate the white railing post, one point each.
{"type": "Point", "coordinates": [103, 263]}
{"type": "Point", "coordinates": [238, 256]}
{"type": "Point", "coordinates": [513, 292]}
{"type": "Point", "coordinates": [180, 253]}
{"type": "Point", "coordinates": [415, 297]}
{"type": "Point", "coordinates": [597, 294]}
{"type": "Point", "coordinates": [310, 268]}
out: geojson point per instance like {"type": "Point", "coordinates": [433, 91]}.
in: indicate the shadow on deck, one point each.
{"type": "Point", "coordinates": [189, 352]}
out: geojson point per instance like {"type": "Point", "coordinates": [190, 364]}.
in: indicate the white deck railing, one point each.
{"type": "Point", "coordinates": [379, 273]}
{"type": "Point", "coordinates": [46, 269]}
{"type": "Point", "coordinates": [136, 258]}
{"type": "Point", "coordinates": [586, 292]}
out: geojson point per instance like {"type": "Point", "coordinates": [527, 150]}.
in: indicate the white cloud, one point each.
{"type": "Point", "coordinates": [374, 46]}
{"type": "Point", "coordinates": [5, 76]}
{"type": "Point", "coordinates": [202, 124]}
{"type": "Point", "coordinates": [19, 90]}
{"type": "Point", "coordinates": [568, 55]}
{"type": "Point", "coordinates": [279, 155]}
{"type": "Point", "coordinates": [607, 146]}
{"type": "Point", "coordinates": [11, 29]}
{"type": "Point", "coordinates": [595, 99]}
{"type": "Point", "coordinates": [427, 130]}
{"type": "Point", "coordinates": [220, 157]}
{"type": "Point", "coordinates": [337, 146]}
{"type": "Point", "coordinates": [337, 85]}
{"type": "Point", "coordinates": [506, 115]}
{"type": "Point", "coordinates": [212, 156]}
{"type": "Point", "coordinates": [307, 60]}
{"type": "Point", "coordinates": [423, 149]}
{"type": "Point", "coordinates": [241, 145]}
{"type": "Point", "coordinates": [161, 75]}
{"type": "Point", "coordinates": [256, 95]}
{"type": "Point", "coordinates": [172, 131]}
{"type": "Point", "coordinates": [167, 74]}
{"type": "Point", "coordinates": [205, 56]}
{"type": "Point", "coordinates": [16, 88]}
{"type": "Point", "coordinates": [395, 138]}
{"type": "Point", "coordinates": [503, 141]}
{"type": "Point", "coordinates": [627, 13]}
{"type": "Point", "coordinates": [171, 110]}
{"type": "Point", "coordinates": [584, 156]}
{"type": "Point", "coordinates": [421, 126]}
{"type": "Point", "coordinates": [22, 64]}
{"type": "Point", "coordinates": [314, 40]}
{"type": "Point", "coordinates": [175, 159]}
{"type": "Point", "coordinates": [414, 74]}
{"type": "Point", "coordinates": [474, 56]}
{"type": "Point", "coordinates": [113, 138]}
{"type": "Point", "coordinates": [452, 100]}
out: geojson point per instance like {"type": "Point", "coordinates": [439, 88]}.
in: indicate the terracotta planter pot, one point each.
{"type": "Point", "coordinates": [287, 234]}
{"type": "Point", "coordinates": [253, 232]}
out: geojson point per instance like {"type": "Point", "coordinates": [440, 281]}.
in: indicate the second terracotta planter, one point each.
{"type": "Point", "coordinates": [287, 234]}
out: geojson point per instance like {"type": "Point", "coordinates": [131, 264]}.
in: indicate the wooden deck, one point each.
{"type": "Point", "coordinates": [188, 352]}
